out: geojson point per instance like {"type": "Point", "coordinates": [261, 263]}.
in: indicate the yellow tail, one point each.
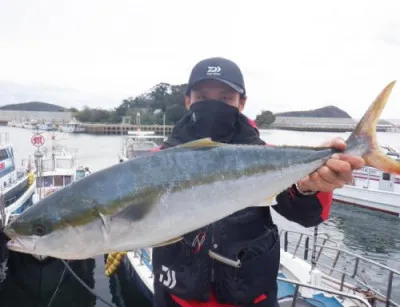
{"type": "Point", "coordinates": [366, 128]}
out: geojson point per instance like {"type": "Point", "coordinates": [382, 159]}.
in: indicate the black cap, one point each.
{"type": "Point", "coordinates": [219, 69]}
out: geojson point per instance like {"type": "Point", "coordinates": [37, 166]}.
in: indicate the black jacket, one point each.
{"type": "Point", "coordinates": [185, 269]}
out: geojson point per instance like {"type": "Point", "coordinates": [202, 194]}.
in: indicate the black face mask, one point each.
{"type": "Point", "coordinates": [214, 119]}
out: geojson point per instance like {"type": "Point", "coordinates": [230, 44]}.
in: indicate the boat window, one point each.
{"type": "Point", "coordinates": [67, 180]}
{"type": "Point", "coordinates": [386, 176]}
{"type": "Point", "coordinates": [80, 174]}
{"type": "Point", "coordinates": [3, 154]}
{"type": "Point", "coordinates": [64, 163]}
{"type": "Point", "coordinates": [58, 181]}
{"type": "Point", "coordinates": [47, 165]}
{"type": "Point", "coordinates": [11, 151]}
{"type": "Point", "coordinates": [46, 181]}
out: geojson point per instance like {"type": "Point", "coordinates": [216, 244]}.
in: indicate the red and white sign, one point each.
{"type": "Point", "coordinates": [37, 140]}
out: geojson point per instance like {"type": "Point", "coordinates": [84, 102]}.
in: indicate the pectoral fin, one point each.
{"type": "Point", "coordinates": [138, 205]}
{"type": "Point", "coordinates": [175, 240]}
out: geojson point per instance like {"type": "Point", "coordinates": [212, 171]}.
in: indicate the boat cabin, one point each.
{"type": "Point", "coordinates": [7, 166]}
{"type": "Point", "coordinates": [138, 143]}
{"type": "Point", "coordinates": [372, 178]}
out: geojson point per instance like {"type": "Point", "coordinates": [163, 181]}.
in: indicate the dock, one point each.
{"type": "Point", "coordinates": [118, 129]}
{"type": "Point", "coordinates": [321, 124]}
{"type": "Point", "coordinates": [306, 124]}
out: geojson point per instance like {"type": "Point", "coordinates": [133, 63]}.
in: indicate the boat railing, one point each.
{"type": "Point", "coordinates": [295, 298]}
{"type": "Point", "coordinates": [341, 267]}
{"type": "Point", "coordinates": [20, 176]}
{"type": "Point", "coordinates": [48, 164]}
{"type": "Point", "coordinates": [2, 210]}
{"type": "Point", "coordinates": [144, 257]}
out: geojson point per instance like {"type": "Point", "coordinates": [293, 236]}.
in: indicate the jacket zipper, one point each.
{"type": "Point", "coordinates": [212, 260]}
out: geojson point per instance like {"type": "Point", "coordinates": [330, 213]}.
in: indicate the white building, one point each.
{"type": "Point", "coordinates": [40, 116]}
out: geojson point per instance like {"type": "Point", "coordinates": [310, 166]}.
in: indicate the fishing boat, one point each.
{"type": "Point", "coordinates": [16, 184]}
{"type": "Point", "coordinates": [47, 127]}
{"type": "Point", "coordinates": [16, 192]}
{"type": "Point", "coordinates": [56, 167]}
{"type": "Point", "coordinates": [373, 189]}
{"type": "Point", "coordinates": [18, 124]}
{"type": "Point", "coordinates": [11, 123]}
{"type": "Point", "coordinates": [72, 126]}
{"type": "Point", "coordinates": [314, 271]}
{"type": "Point", "coordinates": [138, 143]}
{"type": "Point", "coordinates": [31, 124]}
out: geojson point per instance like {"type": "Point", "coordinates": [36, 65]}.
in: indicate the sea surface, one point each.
{"type": "Point", "coordinates": [371, 234]}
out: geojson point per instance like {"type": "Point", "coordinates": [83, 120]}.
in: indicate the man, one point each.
{"type": "Point", "coordinates": [215, 98]}
{"type": "Point", "coordinates": [87, 171]}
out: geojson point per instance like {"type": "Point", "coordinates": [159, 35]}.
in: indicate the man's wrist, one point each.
{"type": "Point", "coordinates": [303, 191]}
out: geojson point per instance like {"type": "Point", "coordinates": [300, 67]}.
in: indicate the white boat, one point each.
{"type": "Point", "coordinates": [72, 126]}
{"type": "Point", "coordinates": [46, 127]}
{"type": "Point", "coordinates": [16, 190]}
{"type": "Point", "coordinates": [320, 274]}
{"type": "Point", "coordinates": [18, 124]}
{"type": "Point", "coordinates": [12, 123]}
{"type": "Point", "coordinates": [56, 167]}
{"type": "Point", "coordinates": [32, 124]}
{"type": "Point", "coordinates": [373, 189]}
{"type": "Point", "coordinates": [16, 185]}
{"type": "Point", "coordinates": [394, 129]}
{"type": "Point", "coordinates": [138, 143]}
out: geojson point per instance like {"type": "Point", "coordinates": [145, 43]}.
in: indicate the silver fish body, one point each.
{"type": "Point", "coordinates": [153, 199]}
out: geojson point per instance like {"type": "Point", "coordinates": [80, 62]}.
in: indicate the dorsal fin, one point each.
{"type": "Point", "coordinates": [200, 143]}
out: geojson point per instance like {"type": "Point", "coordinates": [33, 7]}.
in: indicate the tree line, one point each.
{"type": "Point", "coordinates": [162, 99]}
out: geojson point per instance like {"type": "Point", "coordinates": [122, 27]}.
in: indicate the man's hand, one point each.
{"type": "Point", "coordinates": [335, 173]}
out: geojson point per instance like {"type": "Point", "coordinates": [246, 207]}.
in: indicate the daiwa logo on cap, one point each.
{"type": "Point", "coordinates": [213, 71]}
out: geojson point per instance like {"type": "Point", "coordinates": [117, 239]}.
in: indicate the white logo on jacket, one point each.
{"type": "Point", "coordinates": [170, 280]}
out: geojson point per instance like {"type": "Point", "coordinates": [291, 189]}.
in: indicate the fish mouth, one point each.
{"type": "Point", "coordinates": [22, 244]}
{"type": "Point", "coordinates": [27, 245]}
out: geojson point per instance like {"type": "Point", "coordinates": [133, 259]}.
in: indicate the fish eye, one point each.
{"type": "Point", "coordinates": [39, 229]}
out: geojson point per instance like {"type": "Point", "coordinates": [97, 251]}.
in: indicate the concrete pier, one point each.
{"type": "Point", "coordinates": [320, 124]}
{"type": "Point", "coordinates": [312, 124]}
{"type": "Point", "coordinates": [123, 129]}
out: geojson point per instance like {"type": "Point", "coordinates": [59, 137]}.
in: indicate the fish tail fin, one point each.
{"type": "Point", "coordinates": [366, 128]}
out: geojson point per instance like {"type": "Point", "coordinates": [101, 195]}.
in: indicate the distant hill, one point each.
{"type": "Point", "coordinates": [329, 111]}
{"type": "Point", "coordinates": [34, 106]}
{"type": "Point", "coordinates": [12, 92]}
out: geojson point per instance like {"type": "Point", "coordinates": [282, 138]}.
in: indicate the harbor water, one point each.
{"type": "Point", "coordinates": [371, 234]}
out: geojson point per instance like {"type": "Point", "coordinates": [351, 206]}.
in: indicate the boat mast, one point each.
{"type": "Point", "coordinates": [138, 121]}
{"type": "Point", "coordinates": [38, 141]}
{"type": "Point", "coordinates": [53, 150]}
{"type": "Point", "coordinates": [126, 120]}
{"type": "Point", "coordinates": [2, 209]}
{"type": "Point", "coordinates": [164, 124]}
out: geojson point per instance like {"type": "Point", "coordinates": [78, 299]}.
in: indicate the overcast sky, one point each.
{"type": "Point", "coordinates": [294, 54]}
